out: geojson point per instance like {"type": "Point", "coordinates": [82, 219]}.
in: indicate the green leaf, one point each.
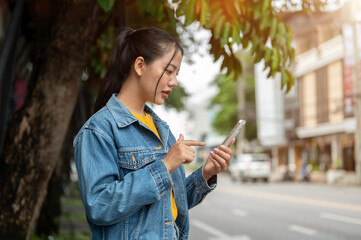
{"type": "Point", "coordinates": [273, 28]}
{"type": "Point", "coordinates": [204, 12]}
{"type": "Point", "coordinates": [292, 57]}
{"type": "Point", "coordinates": [247, 27]}
{"type": "Point", "coordinates": [275, 59]}
{"type": "Point", "coordinates": [106, 5]}
{"type": "Point", "coordinates": [281, 29]}
{"type": "Point", "coordinates": [103, 71]}
{"type": "Point", "coordinates": [244, 42]}
{"type": "Point", "coordinates": [190, 12]}
{"type": "Point", "coordinates": [229, 67]}
{"type": "Point", "coordinates": [171, 18]}
{"type": "Point", "coordinates": [236, 33]}
{"type": "Point", "coordinates": [215, 17]}
{"type": "Point", "coordinates": [270, 73]}
{"type": "Point", "coordinates": [259, 55]}
{"type": "Point", "coordinates": [281, 39]}
{"type": "Point", "coordinates": [264, 23]}
{"type": "Point", "coordinates": [290, 82]}
{"type": "Point", "coordinates": [215, 48]}
{"type": "Point", "coordinates": [181, 9]}
{"type": "Point", "coordinates": [237, 7]}
{"type": "Point", "coordinates": [289, 37]}
{"type": "Point", "coordinates": [160, 13]}
{"type": "Point", "coordinates": [218, 27]}
{"type": "Point", "coordinates": [268, 54]}
{"type": "Point", "coordinates": [226, 36]}
{"type": "Point", "coordinates": [255, 43]}
{"type": "Point", "coordinates": [257, 13]}
{"type": "Point", "coordinates": [265, 5]}
{"type": "Point", "coordinates": [284, 77]}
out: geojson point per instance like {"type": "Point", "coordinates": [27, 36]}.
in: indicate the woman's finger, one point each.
{"type": "Point", "coordinates": [222, 162]}
{"type": "Point", "coordinates": [193, 143]}
{"type": "Point", "coordinates": [222, 154]}
{"type": "Point", "coordinates": [225, 149]}
{"type": "Point", "coordinates": [188, 155]}
{"type": "Point", "coordinates": [216, 164]}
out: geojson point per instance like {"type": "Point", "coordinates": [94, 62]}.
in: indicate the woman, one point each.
{"type": "Point", "coordinates": [131, 176]}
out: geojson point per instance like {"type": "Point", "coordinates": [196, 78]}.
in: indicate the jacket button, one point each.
{"type": "Point", "coordinates": [134, 161]}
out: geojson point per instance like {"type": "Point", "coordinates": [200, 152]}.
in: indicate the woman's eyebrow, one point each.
{"type": "Point", "coordinates": [172, 65]}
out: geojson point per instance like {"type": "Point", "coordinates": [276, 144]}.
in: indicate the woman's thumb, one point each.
{"type": "Point", "coordinates": [181, 137]}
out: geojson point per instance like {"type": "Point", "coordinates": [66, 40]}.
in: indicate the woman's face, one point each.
{"type": "Point", "coordinates": [154, 71]}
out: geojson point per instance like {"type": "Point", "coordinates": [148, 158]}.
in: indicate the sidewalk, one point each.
{"type": "Point", "coordinates": [332, 177]}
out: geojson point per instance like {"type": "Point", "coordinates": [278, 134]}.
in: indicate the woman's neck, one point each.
{"type": "Point", "coordinates": [130, 97]}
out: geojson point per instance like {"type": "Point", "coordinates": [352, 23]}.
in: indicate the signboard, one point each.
{"type": "Point", "coordinates": [349, 64]}
{"type": "Point", "coordinates": [348, 39]}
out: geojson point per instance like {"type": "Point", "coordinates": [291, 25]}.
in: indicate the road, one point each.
{"type": "Point", "coordinates": [277, 211]}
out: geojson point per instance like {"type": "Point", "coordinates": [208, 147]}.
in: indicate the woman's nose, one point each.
{"type": "Point", "coordinates": [173, 82]}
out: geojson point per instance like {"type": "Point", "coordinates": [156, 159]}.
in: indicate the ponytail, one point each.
{"type": "Point", "coordinates": [149, 43]}
{"type": "Point", "coordinates": [114, 77]}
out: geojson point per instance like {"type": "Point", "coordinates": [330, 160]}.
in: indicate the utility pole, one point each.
{"type": "Point", "coordinates": [241, 108]}
{"type": "Point", "coordinates": [248, 70]}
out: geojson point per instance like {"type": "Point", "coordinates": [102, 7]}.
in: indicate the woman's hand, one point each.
{"type": "Point", "coordinates": [218, 161]}
{"type": "Point", "coordinates": [181, 152]}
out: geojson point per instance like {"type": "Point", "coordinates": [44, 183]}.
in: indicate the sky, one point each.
{"type": "Point", "coordinates": [196, 77]}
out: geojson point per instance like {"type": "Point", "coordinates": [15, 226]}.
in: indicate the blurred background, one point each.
{"type": "Point", "coordinates": [290, 68]}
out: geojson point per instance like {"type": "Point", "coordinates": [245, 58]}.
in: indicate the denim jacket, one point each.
{"type": "Point", "coordinates": [124, 183]}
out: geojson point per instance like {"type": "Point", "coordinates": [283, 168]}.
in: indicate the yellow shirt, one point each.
{"type": "Point", "coordinates": [148, 121]}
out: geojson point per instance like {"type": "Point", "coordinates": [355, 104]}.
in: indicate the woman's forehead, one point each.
{"type": "Point", "coordinates": [175, 62]}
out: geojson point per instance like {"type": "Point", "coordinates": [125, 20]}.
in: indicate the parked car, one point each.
{"type": "Point", "coordinates": [251, 167]}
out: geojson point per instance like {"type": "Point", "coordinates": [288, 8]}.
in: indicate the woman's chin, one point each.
{"type": "Point", "coordinates": [158, 102]}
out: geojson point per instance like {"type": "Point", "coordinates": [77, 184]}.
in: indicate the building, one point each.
{"type": "Point", "coordinates": [316, 120]}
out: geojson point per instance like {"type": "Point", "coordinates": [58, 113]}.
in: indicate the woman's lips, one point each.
{"type": "Point", "coordinates": [166, 93]}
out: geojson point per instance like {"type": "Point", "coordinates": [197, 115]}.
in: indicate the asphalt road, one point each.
{"type": "Point", "coordinates": [277, 211]}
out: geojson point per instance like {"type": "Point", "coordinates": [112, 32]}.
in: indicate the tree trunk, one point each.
{"type": "Point", "coordinates": [34, 140]}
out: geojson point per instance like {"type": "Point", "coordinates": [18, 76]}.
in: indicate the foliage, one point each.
{"type": "Point", "coordinates": [100, 52]}
{"type": "Point", "coordinates": [176, 99]}
{"type": "Point", "coordinates": [226, 101]}
{"type": "Point", "coordinates": [107, 5]}
{"type": "Point", "coordinates": [253, 24]}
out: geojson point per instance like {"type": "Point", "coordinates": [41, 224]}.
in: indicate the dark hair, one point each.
{"type": "Point", "coordinates": [149, 43]}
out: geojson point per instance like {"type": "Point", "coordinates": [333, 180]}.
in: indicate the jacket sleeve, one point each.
{"type": "Point", "coordinates": [107, 197]}
{"type": "Point", "coordinates": [198, 187]}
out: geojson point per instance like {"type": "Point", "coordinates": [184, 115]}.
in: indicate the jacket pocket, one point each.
{"type": "Point", "coordinates": [134, 160]}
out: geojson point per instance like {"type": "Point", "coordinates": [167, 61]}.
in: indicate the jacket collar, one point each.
{"type": "Point", "coordinates": [123, 117]}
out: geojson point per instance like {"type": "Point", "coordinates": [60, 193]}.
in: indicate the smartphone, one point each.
{"type": "Point", "coordinates": [234, 132]}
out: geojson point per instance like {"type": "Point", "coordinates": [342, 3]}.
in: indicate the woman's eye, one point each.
{"type": "Point", "coordinates": [169, 71]}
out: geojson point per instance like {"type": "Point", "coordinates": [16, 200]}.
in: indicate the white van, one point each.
{"type": "Point", "coordinates": [251, 167]}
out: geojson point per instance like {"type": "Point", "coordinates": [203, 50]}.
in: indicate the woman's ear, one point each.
{"type": "Point", "coordinates": [139, 65]}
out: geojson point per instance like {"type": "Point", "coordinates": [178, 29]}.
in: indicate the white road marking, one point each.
{"type": "Point", "coordinates": [240, 212]}
{"type": "Point", "coordinates": [218, 234]}
{"type": "Point", "coordinates": [340, 218]}
{"type": "Point", "coordinates": [303, 230]}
